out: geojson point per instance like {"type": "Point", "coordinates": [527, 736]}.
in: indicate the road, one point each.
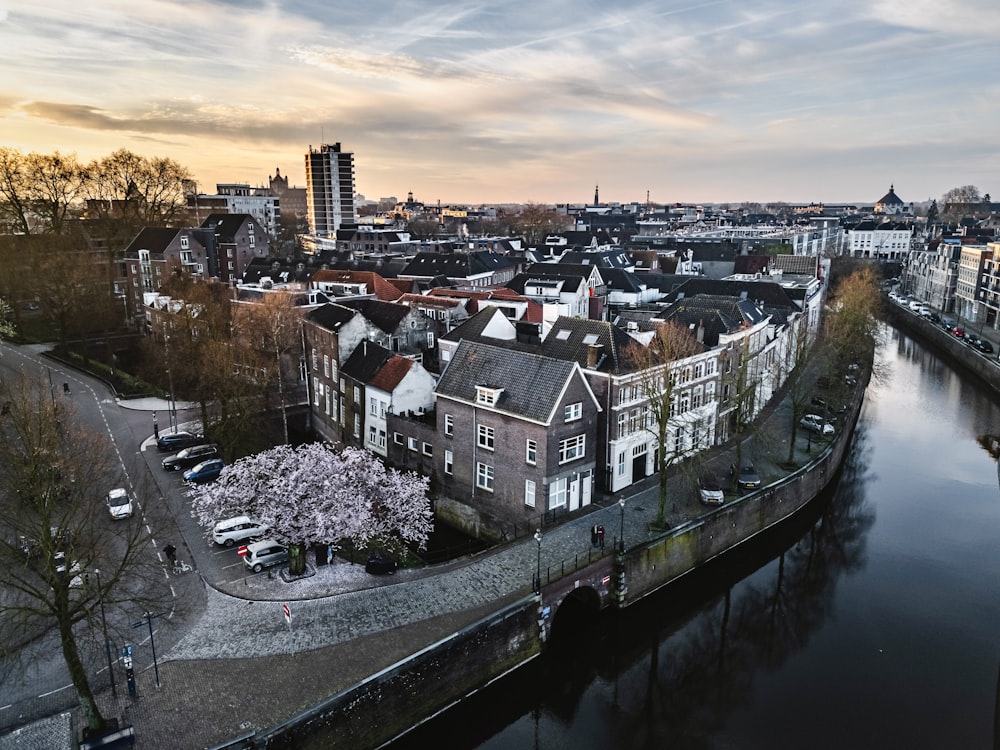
{"type": "Point", "coordinates": [35, 682]}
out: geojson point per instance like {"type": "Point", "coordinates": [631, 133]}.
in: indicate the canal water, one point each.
{"type": "Point", "coordinates": [873, 621]}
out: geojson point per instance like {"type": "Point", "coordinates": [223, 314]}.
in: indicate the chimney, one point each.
{"type": "Point", "coordinates": [593, 354]}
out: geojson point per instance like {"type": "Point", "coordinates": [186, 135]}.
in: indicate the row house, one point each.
{"type": "Point", "coordinates": [989, 289]}
{"type": "Point", "coordinates": [333, 331]}
{"type": "Point", "coordinates": [479, 268]}
{"type": "Point", "coordinates": [879, 240]}
{"type": "Point", "coordinates": [156, 253]}
{"type": "Point", "coordinates": [971, 265]}
{"type": "Point", "coordinates": [232, 241]}
{"type": "Point", "coordinates": [557, 294]}
{"type": "Point", "coordinates": [375, 383]}
{"type": "Point", "coordinates": [931, 274]}
{"type": "Point", "coordinates": [515, 434]}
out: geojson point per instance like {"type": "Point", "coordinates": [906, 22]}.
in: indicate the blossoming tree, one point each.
{"type": "Point", "coordinates": [313, 494]}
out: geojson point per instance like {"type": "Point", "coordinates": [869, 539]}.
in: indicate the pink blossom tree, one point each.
{"type": "Point", "coordinates": [314, 494]}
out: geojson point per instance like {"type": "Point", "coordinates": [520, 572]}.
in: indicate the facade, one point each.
{"type": "Point", "coordinates": [891, 204]}
{"type": "Point", "coordinates": [232, 242]}
{"type": "Point", "coordinates": [330, 190]}
{"type": "Point", "coordinates": [235, 198]}
{"type": "Point", "coordinates": [879, 240]}
{"type": "Point", "coordinates": [515, 433]}
{"type": "Point", "coordinates": [155, 253]}
{"type": "Point", "coordinates": [989, 291]}
{"type": "Point", "coordinates": [971, 265]}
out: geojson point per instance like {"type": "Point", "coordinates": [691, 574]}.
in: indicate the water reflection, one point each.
{"type": "Point", "coordinates": [669, 671]}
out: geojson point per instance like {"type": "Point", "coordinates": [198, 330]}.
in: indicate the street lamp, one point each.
{"type": "Point", "coordinates": [621, 527]}
{"type": "Point", "coordinates": [538, 563]}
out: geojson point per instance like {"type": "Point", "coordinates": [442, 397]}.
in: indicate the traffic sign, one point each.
{"type": "Point", "coordinates": [242, 551]}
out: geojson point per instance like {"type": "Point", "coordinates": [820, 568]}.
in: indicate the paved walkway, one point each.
{"type": "Point", "coordinates": [241, 667]}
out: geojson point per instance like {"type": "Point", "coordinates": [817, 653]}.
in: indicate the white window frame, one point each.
{"type": "Point", "coordinates": [449, 425]}
{"type": "Point", "coordinates": [572, 448]}
{"type": "Point", "coordinates": [485, 437]}
{"type": "Point", "coordinates": [531, 452]}
{"type": "Point", "coordinates": [449, 462]}
{"type": "Point", "coordinates": [529, 493]}
{"type": "Point", "coordinates": [484, 477]}
{"type": "Point", "coordinates": [573, 412]}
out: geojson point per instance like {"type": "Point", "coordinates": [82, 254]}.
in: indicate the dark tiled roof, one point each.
{"type": "Point", "coordinates": [385, 315]}
{"type": "Point", "coordinates": [572, 282]}
{"type": "Point", "coordinates": [154, 239]}
{"type": "Point", "coordinates": [331, 316]}
{"type": "Point", "coordinates": [381, 288]}
{"type": "Point", "coordinates": [617, 258]}
{"type": "Point", "coordinates": [365, 361]}
{"type": "Point", "coordinates": [617, 278]}
{"type": "Point", "coordinates": [763, 291]}
{"type": "Point", "coordinates": [455, 265]}
{"type": "Point", "coordinates": [532, 384]}
{"type": "Point", "coordinates": [226, 225]}
{"type": "Point", "coordinates": [571, 338]}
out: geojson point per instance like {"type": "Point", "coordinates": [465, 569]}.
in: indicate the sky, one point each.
{"type": "Point", "coordinates": [511, 101]}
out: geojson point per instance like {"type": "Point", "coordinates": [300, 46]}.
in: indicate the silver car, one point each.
{"type": "Point", "coordinates": [237, 530]}
{"type": "Point", "coordinates": [264, 554]}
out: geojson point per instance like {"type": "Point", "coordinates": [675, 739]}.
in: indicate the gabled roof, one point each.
{"type": "Point", "coordinates": [574, 282]}
{"type": "Point", "coordinates": [890, 198]}
{"type": "Point", "coordinates": [479, 299]}
{"type": "Point", "coordinates": [384, 315]}
{"type": "Point", "coordinates": [154, 239]}
{"type": "Point", "coordinates": [622, 280]}
{"type": "Point", "coordinates": [563, 271]}
{"type": "Point", "coordinates": [532, 385]}
{"type": "Point", "coordinates": [331, 316]}
{"type": "Point", "coordinates": [763, 291]}
{"type": "Point", "coordinates": [455, 265]}
{"type": "Point", "coordinates": [365, 361]}
{"type": "Point", "coordinates": [571, 339]}
{"type": "Point", "coordinates": [391, 374]}
{"type": "Point", "coordinates": [277, 270]}
{"type": "Point", "coordinates": [381, 288]}
{"type": "Point", "coordinates": [730, 312]}
{"type": "Point", "coordinates": [616, 258]}
{"type": "Point", "coordinates": [432, 300]}
{"type": "Point", "coordinates": [226, 225]}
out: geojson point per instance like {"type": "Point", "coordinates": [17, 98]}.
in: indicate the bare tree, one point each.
{"type": "Point", "coordinates": [38, 191]}
{"type": "Point", "coordinates": [657, 380]}
{"type": "Point", "coordinates": [55, 534]}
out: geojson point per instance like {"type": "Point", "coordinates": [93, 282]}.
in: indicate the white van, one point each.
{"type": "Point", "coordinates": [237, 530]}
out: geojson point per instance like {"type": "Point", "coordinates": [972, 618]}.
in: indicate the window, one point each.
{"type": "Point", "coordinates": [530, 452]}
{"type": "Point", "coordinates": [621, 464]}
{"type": "Point", "coordinates": [449, 425]}
{"type": "Point", "coordinates": [357, 395]}
{"type": "Point", "coordinates": [557, 493]}
{"type": "Point", "coordinates": [487, 396]}
{"type": "Point", "coordinates": [573, 411]}
{"type": "Point", "coordinates": [572, 448]}
{"type": "Point", "coordinates": [411, 443]}
{"type": "Point", "coordinates": [372, 405]}
{"type": "Point", "coordinates": [484, 477]}
{"type": "Point", "coordinates": [449, 462]}
{"type": "Point", "coordinates": [622, 424]}
{"type": "Point", "coordinates": [184, 243]}
{"type": "Point", "coordinates": [326, 365]}
{"type": "Point", "coordinates": [397, 438]}
{"type": "Point", "coordinates": [357, 425]}
{"type": "Point", "coordinates": [529, 493]}
{"type": "Point", "coordinates": [486, 437]}
{"type": "Point", "coordinates": [428, 449]}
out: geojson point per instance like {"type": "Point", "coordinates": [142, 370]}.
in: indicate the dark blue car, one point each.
{"type": "Point", "coordinates": [206, 471]}
{"type": "Point", "coordinates": [175, 441]}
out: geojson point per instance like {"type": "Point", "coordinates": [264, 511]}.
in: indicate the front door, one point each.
{"type": "Point", "coordinates": [574, 494]}
{"type": "Point", "coordinates": [585, 488]}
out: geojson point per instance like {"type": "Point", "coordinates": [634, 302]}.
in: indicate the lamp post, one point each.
{"type": "Point", "coordinates": [538, 562]}
{"type": "Point", "coordinates": [621, 527]}
{"type": "Point", "coordinates": [104, 626]}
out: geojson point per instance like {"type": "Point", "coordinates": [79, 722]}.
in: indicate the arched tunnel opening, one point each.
{"type": "Point", "coordinates": [576, 618]}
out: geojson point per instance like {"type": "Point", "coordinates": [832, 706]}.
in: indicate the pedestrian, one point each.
{"type": "Point", "coordinates": [171, 552]}
{"type": "Point", "coordinates": [600, 536]}
{"type": "Point", "coordinates": [593, 535]}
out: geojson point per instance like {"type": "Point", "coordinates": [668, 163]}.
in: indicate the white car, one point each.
{"type": "Point", "coordinates": [815, 423]}
{"type": "Point", "coordinates": [238, 530]}
{"type": "Point", "coordinates": [120, 504]}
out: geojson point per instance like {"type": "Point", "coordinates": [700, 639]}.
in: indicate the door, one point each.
{"type": "Point", "coordinates": [585, 488]}
{"type": "Point", "coordinates": [574, 493]}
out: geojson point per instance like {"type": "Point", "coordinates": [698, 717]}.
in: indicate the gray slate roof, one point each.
{"type": "Point", "coordinates": [531, 384]}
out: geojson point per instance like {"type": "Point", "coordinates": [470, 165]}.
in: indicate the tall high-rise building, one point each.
{"type": "Point", "coordinates": [330, 190]}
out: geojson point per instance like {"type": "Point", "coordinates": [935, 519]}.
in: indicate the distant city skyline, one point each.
{"type": "Point", "coordinates": [475, 102]}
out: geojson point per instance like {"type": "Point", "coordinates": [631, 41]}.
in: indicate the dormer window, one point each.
{"type": "Point", "coordinates": [487, 396]}
{"type": "Point", "coordinates": [184, 242]}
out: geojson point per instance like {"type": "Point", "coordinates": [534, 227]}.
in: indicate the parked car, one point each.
{"type": "Point", "coordinates": [947, 323]}
{"type": "Point", "coordinates": [191, 456]}
{"type": "Point", "coordinates": [379, 563]}
{"type": "Point", "coordinates": [958, 332]}
{"type": "Point", "coordinates": [982, 345]}
{"type": "Point", "coordinates": [238, 530]}
{"type": "Point", "coordinates": [120, 503]}
{"type": "Point", "coordinates": [264, 554]}
{"type": "Point", "coordinates": [206, 471]}
{"type": "Point", "coordinates": [710, 490]}
{"type": "Point", "coordinates": [747, 477]}
{"type": "Point", "coordinates": [816, 423]}
{"type": "Point", "coordinates": [175, 441]}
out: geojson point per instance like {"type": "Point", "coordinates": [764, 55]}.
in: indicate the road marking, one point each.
{"type": "Point", "coordinates": [53, 692]}
{"type": "Point", "coordinates": [4, 708]}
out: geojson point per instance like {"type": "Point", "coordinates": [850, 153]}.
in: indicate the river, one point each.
{"type": "Point", "coordinates": [872, 621]}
